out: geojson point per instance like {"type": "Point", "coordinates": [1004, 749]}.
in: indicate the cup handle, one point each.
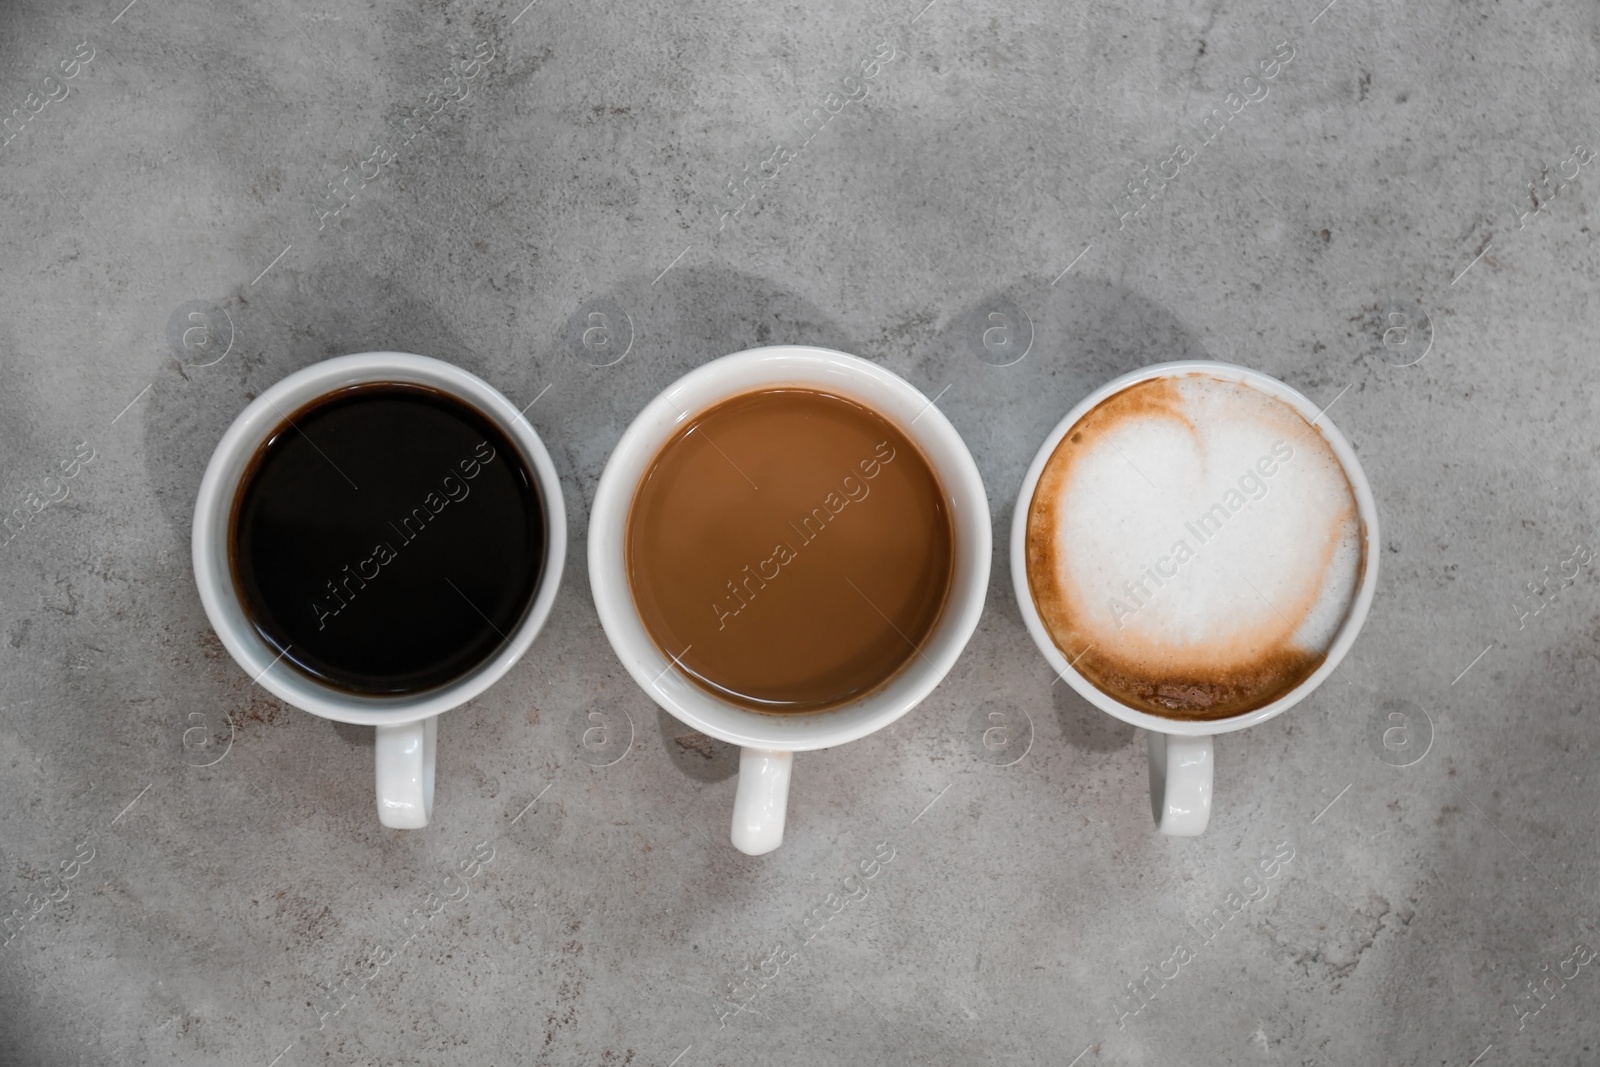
{"type": "Point", "coordinates": [405, 757]}
{"type": "Point", "coordinates": [1180, 783]}
{"type": "Point", "coordinates": [761, 802]}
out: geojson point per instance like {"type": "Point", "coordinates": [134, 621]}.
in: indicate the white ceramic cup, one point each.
{"type": "Point", "coordinates": [1179, 752]}
{"type": "Point", "coordinates": [406, 724]}
{"type": "Point", "coordinates": [768, 742]}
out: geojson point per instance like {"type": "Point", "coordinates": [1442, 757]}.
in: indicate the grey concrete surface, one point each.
{"type": "Point", "coordinates": [1366, 230]}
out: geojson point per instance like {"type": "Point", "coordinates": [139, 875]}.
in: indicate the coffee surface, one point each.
{"type": "Point", "coordinates": [1193, 547]}
{"type": "Point", "coordinates": [790, 549]}
{"type": "Point", "coordinates": [386, 538]}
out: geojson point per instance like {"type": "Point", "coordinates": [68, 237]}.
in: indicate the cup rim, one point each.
{"type": "Point", "coordinates": [1360, 604]}
{"type": "Point", "coordinates": [809, 367]}
{"type": "Point", "coordinates": [219, 485]}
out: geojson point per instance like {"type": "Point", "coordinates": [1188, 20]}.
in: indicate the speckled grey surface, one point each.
{"type": "Point", "coordinates": [1366, 205]}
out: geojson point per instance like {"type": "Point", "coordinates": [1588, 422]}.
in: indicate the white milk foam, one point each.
{"type": "Point", "coordinates": [1202, 525]}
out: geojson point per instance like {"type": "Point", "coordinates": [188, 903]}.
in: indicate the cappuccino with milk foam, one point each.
{"type": "Point", "coordinates": [1193, 547]}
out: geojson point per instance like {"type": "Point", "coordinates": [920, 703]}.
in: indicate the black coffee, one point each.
{"type": "Point", "coordinates": [386, 538]}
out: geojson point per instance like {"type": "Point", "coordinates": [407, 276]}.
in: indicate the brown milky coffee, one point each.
{"type": "Point", "coordinates": [789, 549]}
{"type": "Point", "coordinates": [1193, 547]}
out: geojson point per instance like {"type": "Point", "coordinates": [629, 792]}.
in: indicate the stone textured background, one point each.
{"type": "Point", "coordinates": [1386, 172]}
